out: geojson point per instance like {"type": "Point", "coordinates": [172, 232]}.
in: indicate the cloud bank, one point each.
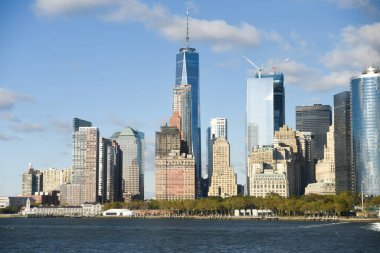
{"type": "Point", "coordinates": [221, 35]}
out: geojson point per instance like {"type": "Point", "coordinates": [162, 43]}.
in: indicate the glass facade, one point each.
{"type": "Point", "coordinates": [259, 113]}
{"type": "Point", "coordinates": [342, 136]}
{"type": "Point", "coordinates": [131, 144]}
{"type": "Point", "coordinates": [316, 119]}
{"type": "Point", "coordinates": [278, 98]}
{"type": "Point", "coordinates": [187, 72]}
{"type": "Point", "coordinates": [365, 104]}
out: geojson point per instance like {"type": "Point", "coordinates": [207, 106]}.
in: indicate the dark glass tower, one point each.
{"type": "Point", "coordinates": [187, 72]}
{"type": "Point", "coordinates": [278, 98]}
{"type": "Point", "coordinates": [316, 119]}
{"type": "Point", "coordinates": [342, 136]}
{"type": "Point", "coordinates": [365, 104]}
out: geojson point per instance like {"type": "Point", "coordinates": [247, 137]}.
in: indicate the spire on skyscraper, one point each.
{"type": "Point", "coordinates": [187, 25]}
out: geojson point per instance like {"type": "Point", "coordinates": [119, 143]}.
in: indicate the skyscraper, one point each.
{"type": "Point", "coordinates": [168, 139]}
{"type": "Point", "coordinates": [109, 176]}
{"type": "Point", "coordinates": [259, 113]}
{"type": "Point", "coordinates": [181, 117]}
{"type": "Point", "coordinates": [365, 105]}
{"type": "Point", "coordinates": [223, 180]}
{"type": "Point", "coordinates": [342, 134]}
{"type": "Point", "coordinates": [86, 163]}
{"type": "Point", "coordinates": [325, 169]}
{"type": "Point", "coordinates": [278, 98]}
{"type": "Point", "coordinates": [132, 147]}
{"type": "Point", "coordinates": [175, 171]}
{"type": "Point", "coordinates": [32, 181]}
{"type": "Point", "coordinates": [217, 129]}
{"type": "Point", "coordinates": [306, 148]}
{"type": "Point", "coordinates": [187, 72]}
{"type": "Point", "coordinates": [316, 119]}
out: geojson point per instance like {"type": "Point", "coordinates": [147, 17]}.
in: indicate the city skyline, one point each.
{"type": "Point", "coordinates": [91, 61]}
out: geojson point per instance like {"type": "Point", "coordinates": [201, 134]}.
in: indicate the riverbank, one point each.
{"type": "Point", "coordinates": [221, 217]}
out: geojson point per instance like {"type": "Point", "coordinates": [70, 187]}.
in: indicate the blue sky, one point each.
{"type": "Point", "coordinates": [112, 62]}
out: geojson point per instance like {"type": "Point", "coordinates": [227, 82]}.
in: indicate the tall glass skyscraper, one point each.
{"type": "Point", "coordinates": [316, 119]}
{"type": "Point", "coordinates": [132, 148]}
{"type": "Point", "coordinates": [187, 72]}
{"type": "Point", "coordinates": [365, 104]}
{"type": "Point", "coordinates": [259, 113]}
{"type": "Point", "coordinates": [342, 136]}
{"type": "Point", "coordinates": [278, 98]}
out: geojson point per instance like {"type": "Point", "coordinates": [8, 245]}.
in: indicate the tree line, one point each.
{"type": "Point", "coordinates": [305, 205]}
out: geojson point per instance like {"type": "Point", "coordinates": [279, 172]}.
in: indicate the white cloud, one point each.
{"type": "Point", "coordinates": [359, 47]}
{"type": "Point", "coordinates": [28, 128]}
{"type": "Point", "coordinates": [221, 35]}
{"type": "Point", "coordinates": [369, 7]}
{"type": "Point", "coordinates": [67, 7]}
{"type": "Point", "coordinates": [9, 98]}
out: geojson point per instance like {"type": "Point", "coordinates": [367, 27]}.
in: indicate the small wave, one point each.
{"type": "Point", "coordinates": [323, 225]}
{"type": "Point", "coordinates": [375, 227]}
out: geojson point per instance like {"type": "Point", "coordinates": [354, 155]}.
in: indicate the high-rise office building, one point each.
{"type": "Point", "coordinates": [187, 72]}
{"type": "Point", "coordinates": [181, 117]}
{"type": "Point", "coordinates": [83, 184]}
{"type": "Point", "coordinates": [342, 134]}
{"type": "Point", "coordinates": [175, 176]}
{"type": "Point", "coordinates": [223, 180]}
{"type": "Point", "coordinates": [365, 106]}
{"type": "Point", "coordinates": [175, 171]}
{"type": "Point", "coordinates": [278, 98]}
{"type": "Point", "coordinates": [316, 119]}
{"type": "Point", "coordinates": [217, 129]}
{"type": "Point", "coordinates": [168, 139]}
{"type": "Point", "coordinates": [52, 179]}
{"type": "Point", "coordinates": [80, 123]}
{"type": "Point", "coordinates": [109, 175]}
{"type": "Point", "coordinates": [132, 146]}
{"type": "Point", "coordinates": [265, 108]}
{"type": "Point", "coordinates": [66, 176]}
{"type": "Point", "coordinates": [259, 113]}
{"type": "Point", "coordinates": [32, 181]}
{"type": "Point", "coordinates": [286, 136]}
{"type": "Point", "coordinates": [271, 170]}
{"type": "Point", "coordinates": [325, 169]}
{"type": "Point", "coordinates": [86, 163]}
{"type": "Point", "coordinates": [306, 149]}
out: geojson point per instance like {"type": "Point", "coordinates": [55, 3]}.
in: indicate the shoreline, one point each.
{"type": "Point", "coordinates": [225, 218]}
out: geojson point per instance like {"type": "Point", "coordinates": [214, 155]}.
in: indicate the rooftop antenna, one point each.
{"type": "Point", "coordinates": [187, 25]}
{"type": "Point", "coordinates": [255, 66]}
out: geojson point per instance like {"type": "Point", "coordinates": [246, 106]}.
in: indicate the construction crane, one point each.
{"type": "Point", "coordinates": [255, 66]}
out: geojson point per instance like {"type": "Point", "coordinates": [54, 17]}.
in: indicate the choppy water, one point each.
{"type": "Point", "coordinates": [123, 235]}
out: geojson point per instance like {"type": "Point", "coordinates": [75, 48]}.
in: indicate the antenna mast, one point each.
{"type": "Point", "coordinates": [187, 25]}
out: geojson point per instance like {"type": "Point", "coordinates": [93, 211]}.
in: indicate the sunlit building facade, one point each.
{"type": "Point", "coordinates": [217, 129]}
{"type": "Point", "coordinates": [223, 180]}
{"type": "Point", "coordinates": [187, 72]}
{"type": "Point", "coordinates": [132, 146]}
{"type": "Point", "coordinates": [365, 105]}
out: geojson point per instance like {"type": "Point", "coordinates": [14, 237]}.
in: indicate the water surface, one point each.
{"type": "Point", "coordinates": [162, 235]}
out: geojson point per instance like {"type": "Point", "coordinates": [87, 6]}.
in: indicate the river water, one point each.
{"type": "Point", "coordinates": [164, 235]}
